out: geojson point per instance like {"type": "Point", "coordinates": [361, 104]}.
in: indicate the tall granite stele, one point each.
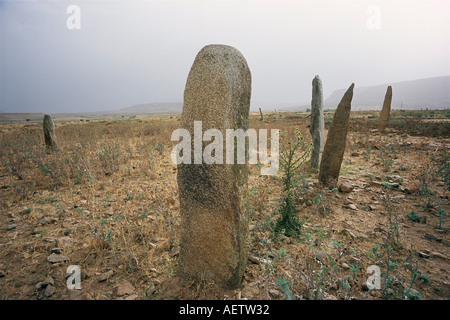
{"type": "Point", "coordinates": [49, 134]}
{"type": "Point", "coordinates": [333, 152]}
{"type": "Point", "coordinates": [317, 122]}
{"type": "Point", "coordinates": [386, 111]}
{"type": "Point", "coordinates": [214, 197]}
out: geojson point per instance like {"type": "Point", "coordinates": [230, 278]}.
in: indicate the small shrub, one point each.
{"type": "Point", "coordinates": [413, 216]}
{"type": "Point", "coordinates": [290, 163]}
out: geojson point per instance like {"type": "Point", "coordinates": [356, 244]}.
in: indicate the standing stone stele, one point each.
{"type": "Point", "coordinates": [317, 122]}
{"type": "Point", "coordinates": [214, 197]}
{"type": "Point", "coordinates": [333, 152]}
{"type": "Point", "coordinates": [386, 111]}
{"type": "Point", "coordinates": [49, 134]}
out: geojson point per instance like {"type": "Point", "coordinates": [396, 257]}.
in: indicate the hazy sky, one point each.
{"type": "Point", "coordinates": [132, 52]}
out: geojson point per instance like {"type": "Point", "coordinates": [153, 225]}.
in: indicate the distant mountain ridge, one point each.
{"type": "Point", "coordinates": [433, 93]}
{"type": "Point", "coordinates": [156, 107]}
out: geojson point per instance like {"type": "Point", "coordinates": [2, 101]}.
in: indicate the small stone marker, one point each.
{"type": "Point", "coordinates": [49, 134]}
{"type": "Point", "coordinates": [333, 152]}
{"type": "Point", "coordinates": [317, 122]}
{"type": "Point", "coordinates": [386, 111]}
{"type": "Point", "coordinates": [213, 197]}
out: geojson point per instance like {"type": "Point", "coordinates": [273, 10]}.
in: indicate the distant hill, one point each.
{"type": "Point", "coordinates": [19, 117]}
{"type": "Point", "coordinates": [158, 107]}
{"type": "Point", "coordinates": [432, 93]}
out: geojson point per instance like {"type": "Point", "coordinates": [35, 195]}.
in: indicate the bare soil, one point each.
{"type": "Point", "coordinates": [109, 201]}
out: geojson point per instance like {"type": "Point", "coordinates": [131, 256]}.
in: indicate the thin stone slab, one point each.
{"type": "Point", "coordinates": [49, 133]}
{"type": "Point", "coordinates": [213, 197]}
{"type": "Point", "coordinates": [333, 152]}
{"type": "Point", "coordinates": [317, 122]}
{"type": "Point", "coordinates": [386, 111]}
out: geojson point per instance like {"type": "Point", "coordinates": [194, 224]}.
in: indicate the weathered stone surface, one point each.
{"type": "Point", "coordinates": [431, 236]}
{"type": "Point", "coordinates": [105, 276]}
{"type": "Point", "coordinates": [65, 242]}
{"type": "Point", "coordinates": [48, 281]}
{"type": "Point", "coordinates": [250, 291]}
{"type": "Point", "coordinates": [125, 288]}
{"type": "Point", "coordinates": [386, 111]}
{"type": "Point", "coordinates": [49, 133]}
{"type": "Point", "coordinates": [11, 227]}
{"type": "Point", "coordinates": [44, 220]}
{"type": "Point", "coordinates": [317, 122]}
{"type": "Point", "coordinates": [213, 197]}
{"type": "Point", "coordinates": [333, 152]}
{"type": "Point", "coordinates": [57, 250]}
{"type": "Point", "coordinates": [55, 258]}
{"type": "Point", "coordinates": [346, 187]}
{"type": "Point", "coordinates": [49, 291]}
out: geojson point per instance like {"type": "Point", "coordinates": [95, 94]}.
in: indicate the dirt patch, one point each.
{"type": "Point", "coordinates": [108, 203]}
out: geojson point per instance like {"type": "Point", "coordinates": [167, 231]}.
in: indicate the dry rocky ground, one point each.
{"type": "Point", "coordinates": [107, 202]}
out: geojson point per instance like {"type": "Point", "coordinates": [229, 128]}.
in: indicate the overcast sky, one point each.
{"type": "Point", "coordinates": [132, 52]}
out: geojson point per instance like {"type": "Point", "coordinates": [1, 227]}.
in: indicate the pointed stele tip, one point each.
{"type": "Point", "coordinates": [316, 80]}
{"type": "Point", "coordinates": [350, 89]}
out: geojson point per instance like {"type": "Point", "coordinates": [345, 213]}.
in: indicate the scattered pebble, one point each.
{"type": "Point", "coordinates": [125, 288]}
{"type": "Point", "coordinates": [57, 250]}
{"type": "Point", "coordinates": [49, 291]}
{"type": "Point", "coordinates": [346, 187]}
{"type": "Point", "coordinates": [105, 276]}
{"type": "Point", "coordinates": [431, 236]}
{"type": "Point", "coordinates": [44, 220]}
{"type": "Point", "coordinates": [55, 258]}
{"type": "Point", "coordinates": [11, 227]}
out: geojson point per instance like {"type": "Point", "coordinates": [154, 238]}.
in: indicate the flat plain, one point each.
{"type": "Point", "coordinates": [107, 202]}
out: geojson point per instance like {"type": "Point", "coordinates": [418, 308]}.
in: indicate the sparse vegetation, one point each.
{"type": "Point", "coordinates": [293, 155]}
{"type": "Point", "coordinates": [111, 192]}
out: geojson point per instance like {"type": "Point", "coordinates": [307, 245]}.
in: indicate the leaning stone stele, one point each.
{"type": "Point", "coordinates": [386, 110]}
{"type": "Point", "coordinates": [214, 197]}
{"type": "Point", "coordinates": [49, 134]}
{"type": "Point", "coordinates": [317, 122]}
{"type": "Point", "coordinates": [333, 152]}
